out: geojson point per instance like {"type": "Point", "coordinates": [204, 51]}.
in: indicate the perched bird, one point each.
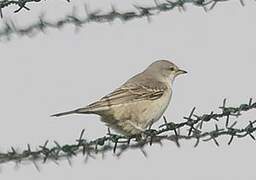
{"type": "Point", "coordinates": [139, 102]}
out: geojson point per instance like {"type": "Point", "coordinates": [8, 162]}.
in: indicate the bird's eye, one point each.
{"type": "Point", "coordinates": [172, 68]}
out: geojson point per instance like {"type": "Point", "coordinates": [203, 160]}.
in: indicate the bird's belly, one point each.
{"type": "Point", "coordinates": [140, 114]}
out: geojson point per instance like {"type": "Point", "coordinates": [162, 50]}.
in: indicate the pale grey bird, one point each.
{"type": "Point", "coordinates": [139, 102]}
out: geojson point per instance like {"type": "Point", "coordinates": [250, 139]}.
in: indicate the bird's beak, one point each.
{"type": "Point", "coordinates": [180, 71]}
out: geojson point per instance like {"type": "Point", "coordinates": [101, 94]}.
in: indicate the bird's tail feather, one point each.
{"type": "Point", "coordinates": [64, 113]}
{"type": "Point", "coordinates": [81, 110]}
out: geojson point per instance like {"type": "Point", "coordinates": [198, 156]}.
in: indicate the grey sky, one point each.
{"type": "Point", "coordinates": [61, 70]}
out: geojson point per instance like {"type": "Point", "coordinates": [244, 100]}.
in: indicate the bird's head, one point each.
{"type": "Point", "coordinates": [165, 70]}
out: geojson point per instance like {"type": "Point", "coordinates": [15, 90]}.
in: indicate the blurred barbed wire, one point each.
{"type": "Point", "coordinates": [98, 16]}
{"type": "Point", "coordinates": [192, 128]}
{"type": "Point", "coordinates": [22, 4]}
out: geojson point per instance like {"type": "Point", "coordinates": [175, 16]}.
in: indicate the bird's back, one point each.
{"type": "Point", "coordinates": [137, 88]}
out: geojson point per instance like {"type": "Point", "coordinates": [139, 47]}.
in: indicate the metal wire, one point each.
{"type": "Point", "coordinates": [99, 16]}
{"type": "Point", "coordinates": [167, 131]}
{"type": "Point", "coordinates": [22, 4]}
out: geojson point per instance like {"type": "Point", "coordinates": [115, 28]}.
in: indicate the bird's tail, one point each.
{"type": "Point", "coordinates": [77, 111]}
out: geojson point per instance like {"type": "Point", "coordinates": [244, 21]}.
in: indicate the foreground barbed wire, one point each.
{"type": "Point", "coordinates": [10, 28]}
{"type": "Point", "coordinates": [119, 144]}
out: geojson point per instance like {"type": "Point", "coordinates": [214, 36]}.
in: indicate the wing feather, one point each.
{"type": "Point", "coordinates": [129, 94]}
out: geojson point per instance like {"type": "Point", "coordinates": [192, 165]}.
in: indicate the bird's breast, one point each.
{"type": "Point", "coordinates": [162, 104]}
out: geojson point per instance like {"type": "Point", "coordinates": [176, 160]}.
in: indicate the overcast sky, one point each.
{"type": "Point", "coordinates": [62, 70]}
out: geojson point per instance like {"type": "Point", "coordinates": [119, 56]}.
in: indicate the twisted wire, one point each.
{"type": "Point", "coordinates": [22, 4]}
{"type": "Point", "coordinates": [10, 28]}
{"type": "Point", "coordinates": [118, 144]}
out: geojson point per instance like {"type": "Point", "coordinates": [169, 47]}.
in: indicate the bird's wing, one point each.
{"type": "Point", "coordinates": [130, 93]}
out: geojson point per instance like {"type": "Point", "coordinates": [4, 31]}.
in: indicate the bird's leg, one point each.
{"type": "Point", "coordinates": [150, 124]}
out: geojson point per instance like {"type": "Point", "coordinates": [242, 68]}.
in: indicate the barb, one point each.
{"type": "Point", "coordinates": [9, 28]}
{"type": "Point", "coordinates": [119, 144]}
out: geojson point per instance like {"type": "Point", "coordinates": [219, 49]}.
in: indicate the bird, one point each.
{"type": "Point", "coordinates": [139, 102]}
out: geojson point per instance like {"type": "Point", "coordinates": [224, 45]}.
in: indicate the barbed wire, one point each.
{"type": "Point", "coordinates": [119, 144]}
{"type": "Point", "coordinates": [22, 4]}
{"type": "Point", "coordinates": [97, 16]}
